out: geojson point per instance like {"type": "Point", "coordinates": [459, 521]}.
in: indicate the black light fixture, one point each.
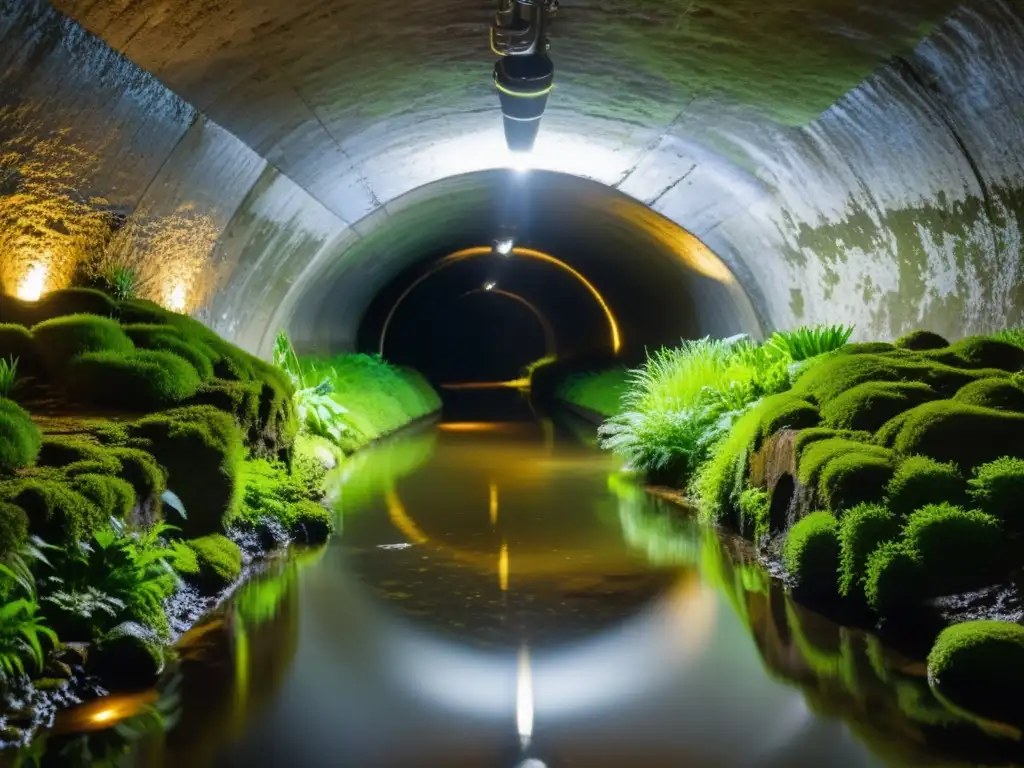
{"type": "Point", "coordinates": [524, 75]}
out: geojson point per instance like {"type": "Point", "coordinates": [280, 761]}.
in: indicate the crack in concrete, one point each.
{"type": "Point", "coordinates": [650, 202]}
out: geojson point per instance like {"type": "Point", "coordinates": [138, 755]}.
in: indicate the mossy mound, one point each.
{"type": "Point", "coordinates": [817, 455]}
{"type": "Point", "coordinates": [16, 343]}
{"type": "Point", "coordinates": [13, 527]}
{"type": "Point", "coordinates": [981, 352]}
{"type": "Point", "coordinates": [867, 348]}
{"type": "Point", "coordinates": [55, 511]}
{"type": "Point", "coordinates": [169, 339]}
{"type": "Point", "coordinates": [806, 437]}
{"type": "Point", "coordinates": [309, 522]}
{"type": "Point", "coordinates": [271, 493]}
{"type": "Point", "coordinates": [219, 560]}
{"type": "Point", "coordinates": [862, 530]}
{"type": "Point", "coordinates": [811, 554]}
{"type": "Point", "coordinates": [59, 451]}
{"type": "Point", "coordinates": [140, 380]}
{"type": "Point", "coordinates": [849, 479]}
{"type": "Point", "coordinates": [62, 339]}
{"type": "Point", "coordinates": [920, 481]}
{"type": "Point", "coordinates": [755, 508]}
{"type": "Point", "coordinates": [68, 301]}
{"type": "Point", "coordinates": [112, 496]}
{"type": "Point", "coordinates": [784, 411]}
{"type": "Point", "coordinates": [959, 550]}
{"type": "Point", "coordinates": [129, 657]}
{"type": "Point", "coordinates": [894, 580]}
{"type": "Point", "coordinates": [979, 666]}
{"type": "Point", "coordinates": [921, 340]}
{"type": "Point", "coordinates": [143, 473]}
{"type": "Point", "coordinates": [201, 448]}
{"type": "Point", "coordinates": [998, 489]}
{"type": "Point", "coordinates": [966, 435]}
{"type": "Point", "coordinates": [1001, 394]}
{"type": "Point", "coordinates": [866, 407]}
{"type": "Point", "coordinates": [19, 438]}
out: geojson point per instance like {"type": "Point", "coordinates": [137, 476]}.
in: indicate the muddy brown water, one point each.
{"type": "Point", "coordinates": [499, 594]}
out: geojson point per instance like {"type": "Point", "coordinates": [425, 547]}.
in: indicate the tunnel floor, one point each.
{"type": "Point", "coordinates": [515, 598]}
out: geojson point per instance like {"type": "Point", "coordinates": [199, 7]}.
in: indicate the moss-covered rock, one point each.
{"type": "Point", "coordinates": [62, 339]}
{"type": "Point", "coordinates": [72, 301]}
{"type": "Point", "coordinates": [854, 478]}
{"type": "Point", "coordinates": [141, 470]}
{"type": "Point", "coordinates": [106, 465]}
{"type": "Point", "coordinates": [870, 405]}
{"type": "Point", "coordinates": [921, 340]}
{"type": "Point", "coordinates": [817, 455]}
{"type": "Point", "coordinates": [967, 435]}
{"type": "Point", "coordinates": [13, 527]}
{"type": "Point", "coordinates": [60, 450]}
{"type": "Point", "coordinates": [141, 380]}
{"type": "Point", "coordinates": [979, 666]}
{"type": "Point", "coordinates": [169, 339]}
{"type": "Point", "coordinates": [867, 348]}
{"type": "Point", "coordinates": [811, 554]}
{"type": "Point", "coordinates": [202, 450]}
{"type": "Point", "coordinates": [55, 511]}
{"type": "Point", "coordinates": [755, 508]}
{"type": "Point", "coordinates": [19, 438]}
{"type": "Point", "coordinates": [998, 489]}
{"type": "Point", "coordinates": [894, 579]}
{"type": "Point", "coordinates": [862, 530]}
{"type": "Point", "coordinates": [16, 343]}
{"type": "Point", "coordinates": [920, 481]}
{"type": "Point", "coordinates": [785, 411]}
{"type": "Point", "coordinates": [958, 549]}
{"type": "Point", "coordinates": [112, 496]}
{"type": "Point", "coordinates": [219, 560]}
{"type": "Point", "coordinates": [816, 434]}
{"type": "Point", "coordinates": [309, 522]}
{"type": "Point", "coordinates": [129, 657]}
{"type": "Point", "coordinates": [1001, 394]}
{"type": "Point", "coordinates": [981, 352]}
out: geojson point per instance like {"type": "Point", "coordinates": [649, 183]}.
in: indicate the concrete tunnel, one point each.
{"type": "Point", "coordinates": [708, 168]}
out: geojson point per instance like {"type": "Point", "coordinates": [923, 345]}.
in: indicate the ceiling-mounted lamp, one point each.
{"type": "Point", "coordinates": [524, 75]}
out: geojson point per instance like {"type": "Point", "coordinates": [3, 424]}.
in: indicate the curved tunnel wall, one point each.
{"type": "Point", "coordinates": [900, 206]}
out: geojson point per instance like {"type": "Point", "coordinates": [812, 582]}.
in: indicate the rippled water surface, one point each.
{"type": "Point", "coordinates": [499, 593]}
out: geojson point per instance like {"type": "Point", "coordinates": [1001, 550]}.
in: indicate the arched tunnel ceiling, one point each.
{"type": "Point", "coordinates": [339, 94]}
{"type": "Point", "coordinates": [848, 161]}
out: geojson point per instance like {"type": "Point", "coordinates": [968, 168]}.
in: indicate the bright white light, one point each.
{"type": "Point", "coordinates": [490, 286]}
{"type": "Point", "coordinates": [32, 284]}
{"type": "Point", "coordinates": [521, 162]}
{"type": "Point", "coordinates": [524, 698]}
{"type": "Point", "coordinates": [504, 246]}
{"type": "Point", "coordinates": [176, 298]}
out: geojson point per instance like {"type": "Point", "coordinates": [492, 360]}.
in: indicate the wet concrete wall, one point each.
{"type": "Point", "coordinates": [898, 207]}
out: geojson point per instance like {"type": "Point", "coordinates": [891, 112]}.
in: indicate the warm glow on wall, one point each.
{"type": "Point", "coordinates": [33, 283]}
{"type": "Point", "coordinates": [176, 297]}
{"type": "Point", "coordinates": [530, 253]}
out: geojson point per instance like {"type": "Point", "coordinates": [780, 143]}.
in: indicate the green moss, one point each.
{"type": "Point", "coordinates": [868, 348]}
{"type": "Point", "coordinates": [958, 550]}
{"type": "Point", "coordinates": [142, 380]}
{"type": "Point", "coordinates": [309, 522]}
{"type": "Point", "coordinates": [219, 559]}
{"type": "Point", "coordinates": [979, 665]}
{"type": "Point", "coordinates": [868, 406]}
{"type": "Point", "coordinates": [201, 449]}
{"type": "Point", "coordinates": [142, 472]}
{"type": "Point", "coordinates": [1001, 394]}
{"type": "Point", "coordinates": [998, 489]}
{"type": "Point", "coordinates": [816, 456]}
{"type": "Point", "coordinates": [169, 339]}
{"type": "Point", "coordinates": [16, 343]}
{"type": "Point", "coordinates": [239, 398]}
{"type": "Point", "coordinates": [59, 451]}
{"type": "Point", "coordinates": [55, 511]}
{"type": "Point", "coordinates": [808, 436]}
{"type": "Point", "coordinates": [981, 352]}
{"type": "Point", "coordinates": [108, 465]}
{"type": "Point", "coordinates": [830, 377]}
{"type": "Point", "coordinates": [921, 340]}
{"type": "Point", "coordinates": [863, 529]}
{"type": "Point", "coordinates": [894, 578]}
{"type": "Point", "coordinates": [784, 411]}
{"type": "Point", "coordinates": [129, 657]}
{"type": "Point", "coordinates": [13, 527]}
{"type": "Point", "coordinates": [920, 481]}
{"type": "Point", "coordinates": [811, 554]}
{"type": "Point", "coordinates": [964, 434]}
{"type": "Point", "coordinates": [112, 496]}
{"type": "Point", "coordinates": [62, 339]}
{"type": "Point", "coordinates": [19, 438]}
{"type": "Point", "coordinates": [73, 301]}
{"type": "Point", "coordinates": [754, 507]}
{"type": "Point", "coordinates": [854, 478]}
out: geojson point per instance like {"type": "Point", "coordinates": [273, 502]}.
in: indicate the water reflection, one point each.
{"type": "Point", "coordinates": [499, 596]}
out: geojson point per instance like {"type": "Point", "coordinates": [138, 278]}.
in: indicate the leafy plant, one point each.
{"type": "Point", "coordinates": [8, 375]}
{"type": "Point", "coordinates": [809, 341]}
{"type": "Point", "coordinates": [286, 359]}
{"type": "Point", "coordinates": [319, 413]}
{"type": "Point", "coordinates": [116, 576]}
{"type": "Point", "coordinates": [22, 631]}
{"type": "Point", "coordinates": [1013, 336]}
{"type": "Point", "coordinates": [122, 282]}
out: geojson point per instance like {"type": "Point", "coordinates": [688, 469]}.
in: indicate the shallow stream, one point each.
{"type": "Point", "coordinates": [499, 593]}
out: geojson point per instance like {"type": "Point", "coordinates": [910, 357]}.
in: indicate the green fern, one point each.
{"type": "Point", "coordinates": [1013, 336]}
{"type": "Point", "coordinates": [21, 638]}
{"type": "Point", "coordinates": [8, 375]}
{"type": "Point", "coordinates": [810, 341]}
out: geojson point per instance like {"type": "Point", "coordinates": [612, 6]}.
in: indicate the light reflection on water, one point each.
{"type": "Point", "coordinates": [547, 610]}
